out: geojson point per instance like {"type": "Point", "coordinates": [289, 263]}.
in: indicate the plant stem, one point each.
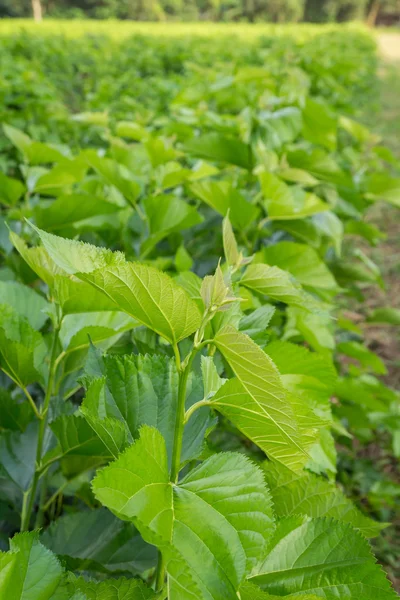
{"type": "Point", "coordinates": [25, 521]}
{"type": "Point", "coordinates": [195, 407]}
{"type": "Point", "coordinates": [160, 573]}
{"type": "Point", "coordinates": [180, 419]}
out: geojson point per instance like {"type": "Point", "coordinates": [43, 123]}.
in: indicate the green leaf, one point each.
{"type": "Point", "coordinates": [211, 380]}
{"type": "Point", "coordinates": [11, 190]}
{"type": "Point", "coordinates": [115, 174]}
{"type": "Point", "coordinates": [63, 175]}
{"type": "Point", "coordinates": [302, 262]}
{"type": "Point", "coordinates": [99, 326]}
{"type": "Point", "coordinates": [304, 493]}
{"type": "Point", "coordinates": [367, 359]}
{"type": "Point", "coordinates": [97, 541]}
{"type": "Point", "coordinates": [214, 146]}
{"type": "Point", "coordinates": [320, 164]}
{"type": "Point", "coordinates": [67, 211]}
{"type": "Point", "coordinates": [383, 187]}
{"type": "Point", "coordinates": [22, 348]}
{"type": "Point", "coordinates": [35, 153]}
{"type": "Point", "coordinates": [38, 259]}
{"type": "Point", "coordinates": [18, 455]}
{"type": "Point", "coordinates": [34, 572]}
{"type": "Point", "coordinates": [166, 215]}
{"type": "Point", "coordinates": [143, 292]}
{"type": "Point", "coordinates": [210, 528]}
{"type": "Point", "coordinates": [385, 315]}
{"type": "Point", "coordinates": [319, 125]}
{"type": "Point", "coordinates": [143, 390]}
{"type": "Point", "coordinates": [282, 126]}
{"type": "Point", "coordinates": [250, 591]}
{"type": "Point", "coordinates": [321, 557]}
{"type": "Point", "coordinates": [112, 589]}
{"type": "Point", "coordinates": [151, 297]}
{"type": "Point", "coordinates": [255, 400]}
{"type": "Point", "coordinates": [305, 373]}
{"type": "Point", "coordinates": [77, 257]}
{"type": "Point", "coordinates": [76, 296]}
{"type": "Point", "coordinates": [316, 329]}
{"type": "Point", "coordinates": [288, 202]}
{"type": "Point", "coordinates": [277, 285]}
{"type": "Point", "coordinates": [14, 415]}
{"type": "Point", "coordinates": [26, 302]}
{"type": "Point", "coordinates": [223, 197]}
{"type": "Point", "coordinates": [183, 260]}
{"type": "Point", "coordinates": [80, 444]}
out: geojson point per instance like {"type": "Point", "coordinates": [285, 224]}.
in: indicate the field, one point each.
{"type": "Point", "coordinates": [199, 313]}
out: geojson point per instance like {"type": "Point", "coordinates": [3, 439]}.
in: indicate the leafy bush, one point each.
{"type": "Point", "coordinates": [176, 359]}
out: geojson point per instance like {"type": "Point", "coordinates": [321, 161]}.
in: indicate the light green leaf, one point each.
{"type": "Point", "coordinates": [320, 164]}
{"type": "Point", "coordinates": [319, 124]}
{"type": "Point", "coordinates": [214, 146]}
{"type": "Point", "coordinates": [130, 130]}
{"type": "Point", "coordinates": [385, 315]}
{"type": "Point", "coordinates": [288, 202]}
{"type": "Point", "coordinates": [167, 214]}
{"type": "Point", "coordinates": [115, 174]}
{"type": "Point", "coordinates": [97, 541]}
{"type": "Point", "coordinates": [304, 493]}
{"type": "Point", "coordinates": [298, 176]}
{"type": "Point", "coordinates": [222, 196]}
{"type": "Point", "coordinates": [34, 571]}
{"type": "Point", "coordinates": [77, 257]}
{"type": "Point", "coordinates": [92, 118]}
{"type": "Point", "coordinates": [305, 373]}
{"type": "Point", "coordinates": [368, 360]}
{"type": "Point", "coordinates": [68, 210]}
{"type": "Point", "coordinates": [322, 557]}
{"type": "Point", "coordinates": [149, 296]}
{"type": "Point", "coordinates": [211, 380]}
{"type": "Point", "coordinates": [255, 400]}
{"type": "Point", "coordinates": [277, 285]}
{"type": "Point", "coordinates": [383, 187]}
{"type": "Point", "coordinates": [210, 528]}
{"type": "Point", "coordinates": [26, 302]}
{"type": "Point", "coordinates": [76, 296]}
{"type": "Point", "coordinates": [316, 329]}
{"type": "Point", "coordinates": [77, 328]}
{"type": "Point", "coordinates": [63, 175]}
{"type": "Point", "coordinates": [38, 260]}
{"type": "Point", "coordinates": [250, 591]}
{"type": "Point", "coordinates": [183, 260]}
{"type": "Point", "coordinates": [145, 293]}
{"type": "Point", "coordinates": [302, 262]}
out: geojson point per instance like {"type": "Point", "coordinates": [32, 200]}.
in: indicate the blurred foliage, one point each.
{"type": "Point", "coordinates": [319, 11]}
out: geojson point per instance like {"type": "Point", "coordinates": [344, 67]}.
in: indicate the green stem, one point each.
{"type": "Point", "coordinates": [180, 420]}
{"type": "Point", "coordinates": [42, 498]}
{"type": "Point", "coordinates": [195, 407]}
{"type": "Point", "coordinates": [160, 573]}
{"type": "Point", "coordinates": [42, 430]}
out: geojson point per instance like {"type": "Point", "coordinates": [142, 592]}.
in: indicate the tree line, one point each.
{"type": "Point", "coordinates": [278, 11]}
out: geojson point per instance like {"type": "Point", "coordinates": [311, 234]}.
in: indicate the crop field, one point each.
{"type": "Point", "coordinates": [198, 333]}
